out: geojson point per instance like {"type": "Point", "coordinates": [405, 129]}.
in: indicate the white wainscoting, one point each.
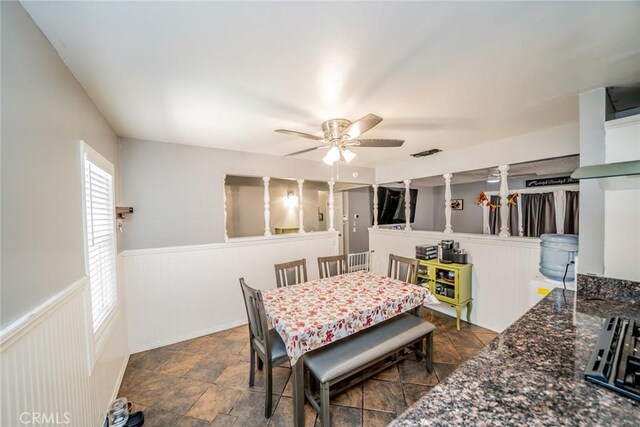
{"type": "Point", "coordinates": [502, 269]}
{"type": "Point", "coordinates": [45, 367]}
{"type": "Point", "coordinates": [174, 294]}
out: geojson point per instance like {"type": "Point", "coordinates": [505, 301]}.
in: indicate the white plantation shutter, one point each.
{"type": "Point", "coordinates": [100, 233]}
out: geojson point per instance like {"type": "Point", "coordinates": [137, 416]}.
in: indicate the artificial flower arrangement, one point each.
{"type": "Point", "coordinates": [484, 200]}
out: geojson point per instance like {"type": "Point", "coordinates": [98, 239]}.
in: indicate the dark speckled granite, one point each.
{"type": "Point", "coordinates": [532, 374]}
{"type": "Point", "coordinates": [608, 288]}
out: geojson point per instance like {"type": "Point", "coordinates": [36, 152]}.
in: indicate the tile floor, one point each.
{"type": "Point", "coordinates": [204, 382]}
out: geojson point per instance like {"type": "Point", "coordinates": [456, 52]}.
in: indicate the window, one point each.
{"type": "Point", "coordinates": [99, 219]}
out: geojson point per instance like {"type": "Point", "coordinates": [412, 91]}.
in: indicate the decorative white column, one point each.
{"type": "Point", "coordinates": [486, 228]}
{"type": "Point", "coordinates": [447, 202]}
{"type": "Point", "coordinates": [407, 205]}
{"type": "Point", "coordinates": [267, 210]}
{"type": "Point", "coordinates": [224, 204]}
{"type": "Point", "coordinates": [375, 205]}
{"type": "Point", "coordinates": [300, 206]}
{"type": "Point", "coordinates": [331, 207]}
{"type": "Point", "coordinates": [504, 205]}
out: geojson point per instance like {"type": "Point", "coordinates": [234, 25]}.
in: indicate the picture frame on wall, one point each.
{"type": "Point", "coordinates": [457, 204]}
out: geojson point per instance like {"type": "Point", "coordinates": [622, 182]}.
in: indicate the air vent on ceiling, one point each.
{"type": "Point", "coordinates": [426, 153]}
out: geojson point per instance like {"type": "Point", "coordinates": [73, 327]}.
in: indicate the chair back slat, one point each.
{"type": "Point", "coordinates": [291, 273]}
{"type": "Point", "coordinates": [402, 268]}
{"type": "Point", "coordinates": [360, 261]}
{"type": "Point", "coordinates": [330, 266]}
{"type": "Point", "coordinates": [256, 315]}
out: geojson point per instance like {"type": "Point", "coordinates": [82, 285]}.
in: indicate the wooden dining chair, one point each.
{"type": "Point", "coordinates": [329, 266]}
{"type": "Point", "coordinates": [291, 273]}
{"type": "Point", "coordinates": [264, 342]}
{"type": "Point", "coordinates": [402, 268]}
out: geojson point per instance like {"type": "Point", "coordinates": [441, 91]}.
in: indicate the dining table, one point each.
{"type": "Point", "coordinates": [313, 314]}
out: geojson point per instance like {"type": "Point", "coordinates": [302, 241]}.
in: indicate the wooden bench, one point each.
{"type": "Point", "coordinates": [385, 344]}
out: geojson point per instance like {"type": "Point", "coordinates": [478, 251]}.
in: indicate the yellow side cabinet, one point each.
{"type": "Point", "coordinates": [450, 283]}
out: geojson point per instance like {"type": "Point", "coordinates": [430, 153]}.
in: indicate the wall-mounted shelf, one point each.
{"type": "Point", "coordinates": [121, 211]}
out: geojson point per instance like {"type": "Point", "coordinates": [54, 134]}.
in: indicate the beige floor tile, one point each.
{"type": "Point", "coordinates": [215, 400]}
{"type": "Point", "coordinates": [382, 395]}
{"type": "Point", "coordinates": [182, 395]}
{"type": "Point", "coordinates": [283, 415]}
{"type": "Point", "coordinates": [350, 397]}
{"type": "Point", "coordinates": [376, 419]}
{"type": "Point", "coordinates": [414, 392]}
{"type": "Point", "coordinates": [179, 363]}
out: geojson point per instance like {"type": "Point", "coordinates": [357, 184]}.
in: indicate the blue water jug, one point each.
{"type": "Point", "coordinates": [556, 252]}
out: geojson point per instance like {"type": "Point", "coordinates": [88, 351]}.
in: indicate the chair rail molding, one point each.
{"type": "Point", "coordinates": [44, 360]}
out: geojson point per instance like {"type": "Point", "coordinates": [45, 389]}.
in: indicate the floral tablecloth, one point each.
{"type": "Point", "coordinates": [313, 314]}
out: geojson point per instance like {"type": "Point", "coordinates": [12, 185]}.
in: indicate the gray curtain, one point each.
{"type": "Point", "coordinates": [571, 212]}
{"type": "Point", "coordinates": [494, 217]}
{"type": "Point", "coordinates": [538, 214]}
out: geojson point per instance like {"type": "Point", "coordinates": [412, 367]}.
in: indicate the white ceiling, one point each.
{"type": "Point", "coordinates": [444, 75]}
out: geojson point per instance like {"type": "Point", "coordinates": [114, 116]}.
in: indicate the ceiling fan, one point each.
{"type": "Point", "coordinates": [340, 134]}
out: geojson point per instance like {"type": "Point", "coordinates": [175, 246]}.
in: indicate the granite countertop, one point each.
{"type": "Point", "coordinates": [532, 373]}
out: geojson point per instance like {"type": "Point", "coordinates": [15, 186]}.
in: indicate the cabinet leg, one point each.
{"type": "Point", "coordinates": [458, 313]}
{"type": "Point", "coordinates": [469, 307]}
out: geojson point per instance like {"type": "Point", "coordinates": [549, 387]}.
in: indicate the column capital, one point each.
{"type": "Point", "coordinates": [407, 182]}
{"type": "Point", "coordinates": [503, 168]}
{"type": "Point", "coordinates": [266, 179]}
{"type": "Point", "coordinates": [447, 176]}
{"type": "Point", "coordinates": [300, 181]}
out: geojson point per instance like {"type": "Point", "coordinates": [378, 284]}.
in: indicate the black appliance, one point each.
{"type": "Point", "coordinates": [450, 252]}
{"type": "Point", "coordinates": [615, 361]}
{"type": "Point", "coordinates": [426, 251]}
{"type": "Point", "coordinates": [391, 205]}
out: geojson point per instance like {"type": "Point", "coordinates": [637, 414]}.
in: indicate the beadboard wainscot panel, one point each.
{"type": "Point", "coordinates": [502, 269]}
{"type": "Point", "coordinates": [178, 293]}
{"type": "Point", "coordinates": [45, 364]}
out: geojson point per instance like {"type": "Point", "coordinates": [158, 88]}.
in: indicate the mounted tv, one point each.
{"type": "Point", "coordinates": [391, 205]}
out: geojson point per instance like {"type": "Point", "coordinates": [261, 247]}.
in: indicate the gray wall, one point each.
{"type": "Point", "coordinates": [469, 219]}
{"type": "Point", "coordinates": [423, 219]}
{"type": "Point", "coordinates": [45, 114]}
{"type": "Point", "coordinates": [592, 152]}
{"type": "Point", "coordinates": [359, 202]}
{"type": "Point", "coordinates": [176, 190]}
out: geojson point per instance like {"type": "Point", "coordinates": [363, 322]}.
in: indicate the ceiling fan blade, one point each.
{"type": "Point", "coordinates": [379, 143]}
{"type": "Point", "coordinates": [302, 134]}
{"type": "Point", "coordinates": [359, 127]}
{"type": "Point", "coordinates": [304, 151]}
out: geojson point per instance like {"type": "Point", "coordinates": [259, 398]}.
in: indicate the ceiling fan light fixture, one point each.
{"type": "Point", "coordinates": [333, 155]}
{"type": "Point", "coordinates": [348, 155]}
{"type": "Point", "coordinates": [492, 179]}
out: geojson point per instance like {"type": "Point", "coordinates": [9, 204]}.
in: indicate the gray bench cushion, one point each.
{"type": "Point", "coordinates": [350, 353]}
{"type": "Point", "coordinates": [275, 342]}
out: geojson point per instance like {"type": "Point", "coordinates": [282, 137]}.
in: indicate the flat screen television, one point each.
{"type": "Point", "coordinates": [391, 205]}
